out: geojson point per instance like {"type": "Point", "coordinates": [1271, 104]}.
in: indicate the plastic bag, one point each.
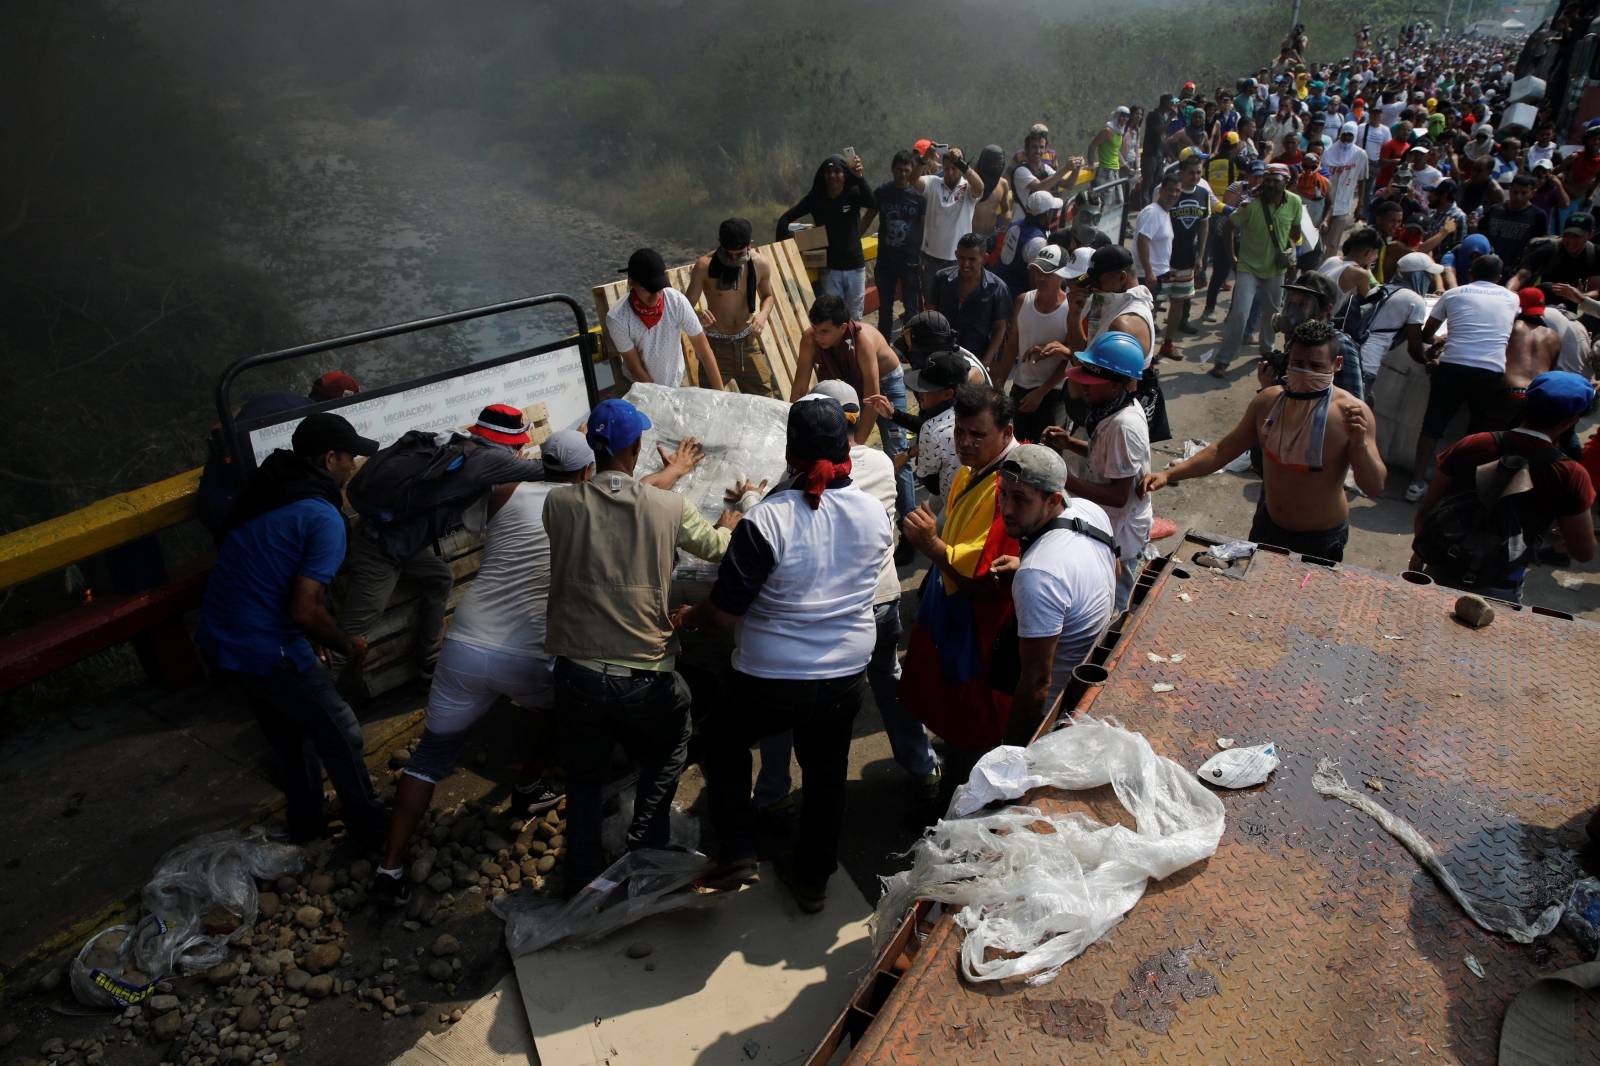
{"type": "Point", "coordinates": [204, 893]}
{"type": "Point", "coordinates": [103, 975]}
{"type": "Point", "coordinates": [1239, 767]}
{"type": "Point", "coordinates": [1583, 915]}
{"type": "Point", "coordinates": [1495, 917]}
{"type": "Point", "coordinates": [639, 884]}
{"type": "Point", "coordinates": [1234, 549]}
{"type": "Point", "coordinates": [1041, 898]}
{"type": "Point", "coordinates": [683, 828]}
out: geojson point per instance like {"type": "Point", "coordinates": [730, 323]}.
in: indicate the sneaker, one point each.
{"type": "Point", "coordinates": [390, 890]}
{"type": "Point", "coordinates": [810, 897]}
{"type": "Point", "coordinates": [1219, 370]}
{"type": "Point", "coordinates": [1168, 351]}
{"type": "Point", "coordinates": [1208, 315]}
{"type": "Point", "coordinates": [1190, 329]}
{"type": "Point", "coordinates": [730, 876]}
{"type": "Point", "coordinates": [538, 795]}
{"type": "Point", "coordinates": [1415, 491]}
{"type": "Point", "coordinates": [928, 785]}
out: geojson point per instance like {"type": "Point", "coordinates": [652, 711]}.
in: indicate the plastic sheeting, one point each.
{"type": "Point", "coordinates": [1041, 898]}
{"type": "Point", "coordinates": [744, 439]}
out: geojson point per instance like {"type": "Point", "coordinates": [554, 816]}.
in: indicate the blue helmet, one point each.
{"type": "Point", "coordinates": [1120, 353]}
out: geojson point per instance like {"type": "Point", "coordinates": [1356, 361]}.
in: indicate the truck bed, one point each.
{"type": "Point", "coordinates": [1311, 935]}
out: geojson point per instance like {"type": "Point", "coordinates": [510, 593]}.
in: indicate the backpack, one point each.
{"type": "Point", "coordinates": [1005, 657]}
{"type": "Point", "coordinates": [409, 477]}
{"type": "Point", "coordinates": [1474, 537]}
{"type": "Point", "coordinates": [1356, 314]}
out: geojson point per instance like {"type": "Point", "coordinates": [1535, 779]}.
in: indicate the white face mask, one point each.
{"type": "Point", "coordinates": [1308, 380]}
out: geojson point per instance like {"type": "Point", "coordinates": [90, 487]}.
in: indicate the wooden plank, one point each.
{"type": "Point", "coordinates": [101, 526]}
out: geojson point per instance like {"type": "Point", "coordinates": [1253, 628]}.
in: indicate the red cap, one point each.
{"type": "Point", "coordinates": [501, 423]}
{"type": "Point", "coordinates": [921, 147]}
{"type": "Point", "coordinates": [1532, 300]}
{"type": "Point", "coordinates": [333, 385]}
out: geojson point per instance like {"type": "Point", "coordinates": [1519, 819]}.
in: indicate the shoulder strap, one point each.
{"type": "Point", "coordinates": [1078, 526]}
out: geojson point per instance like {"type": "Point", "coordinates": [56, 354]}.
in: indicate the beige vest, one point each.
{"type": "Point", "coordinates": [613, 542]}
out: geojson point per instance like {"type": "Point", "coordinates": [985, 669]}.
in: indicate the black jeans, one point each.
{"type": "Point", "coordinates": [648, 714]}
{"type": "Point", "coordinates": [1322, 543]}
{"type": "Point", "coordinates": [1220, 265]}
{"type": "Point", "coordinates": [820, 713]}
{"type": "Point", "coordinates": [309, 728]}
{"type": "Point", "coordinates": [888, 270]}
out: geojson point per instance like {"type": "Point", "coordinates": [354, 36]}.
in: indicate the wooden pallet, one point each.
{"type": "Point", "coordinates": [781, 340]}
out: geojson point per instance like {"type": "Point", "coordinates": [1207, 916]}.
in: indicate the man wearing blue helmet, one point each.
{"type": "Point", "coordinates": [1118, 446]}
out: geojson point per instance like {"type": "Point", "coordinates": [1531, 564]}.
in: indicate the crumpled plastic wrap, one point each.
{"type": "Point", "coordinates": [200, 898]}
{"type": "Point", "coordinates": [641, 883]}
{"type": "Point", "coordinates": [1488, 914]}
{"type": "Point", "coordinates": [744, 438]}
{"type": "Point", "coordinates": [1041, 898]}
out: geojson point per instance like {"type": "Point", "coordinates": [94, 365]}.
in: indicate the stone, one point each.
{"type": "Point", "coordinates": [439, 970]}
{"type": "Point", "coordinates": [489, 868]}
{"type": "Point", "coordinates": [321, 958]}
{"type": "Point", "coordinates": [1474, 611]}
{"type": "Point", "coordinates": [545, 864]}
{"type": "Point", "coordinates": [421, 869]}
{"type": "Point", "coordinates": [54, 1046]}
{"type": "Point", "coordinates": [308, 917]}
{"type": "Point", "coordinates": [360, 871]}
{"type": "Point", "coordinates": [321, 884]}
{"type": "Point", "coordinates": [50, 980]}
{"type": "Point", "coordinates": [445, 945]}
{"type": "Point", "coordinates": [441, 882]}
{"type": "Point", "coordinates": [296, 980]}
{"type": "Point", "coordinates": [398, 758]}
{"type": "Point", "coordinates": [222, 973]}
{"type": "Point", "coordinates": [639, 949]}
{"type": "Point", "coordinates": [320, 986]}
{"type": "Point", "coordinates": [494, 843]}
{"type": "Point", "coordinates": [529, 867]}
{"type": "Point", "coordinates": [162, 1004]}
{"type": "Point", "coordinates": [286, 885]}
{"type": "Point", "coordinates": [268, 903]}
{"type": "Point", "coordinates": [557, 841]}
{"type": "Point", "coordinates": [265, 965]}
{"type": "Point", "coordinates": [249, 1019]}
{"type": "Point", "coordinates": [166, 1026]}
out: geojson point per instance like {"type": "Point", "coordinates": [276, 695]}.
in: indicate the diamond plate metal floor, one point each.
{"type": "Point", "coordinates": [1311, 935]}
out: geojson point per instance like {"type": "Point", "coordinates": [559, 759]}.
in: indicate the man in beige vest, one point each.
{"type": "Point", "coordinates": [613, 543]}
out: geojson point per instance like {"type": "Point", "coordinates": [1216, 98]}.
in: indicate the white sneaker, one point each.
{"type": "Point", "coordinates": [1415, 491]}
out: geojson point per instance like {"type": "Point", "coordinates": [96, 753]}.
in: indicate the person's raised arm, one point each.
{"type": "Point", "coordinates": [1213, 457]}
{"type": "Point", "coordinates": [975, 184]}
{"type": "Point", "coordinates": [802, 366]}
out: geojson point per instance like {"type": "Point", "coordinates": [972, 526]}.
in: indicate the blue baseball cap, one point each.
{"type": "Point", "coordinates": [615, 425]}
{"type": "Point", "coordinates": [1558, 394]}
{"type": "Point", "coordinates": [1257, 167]}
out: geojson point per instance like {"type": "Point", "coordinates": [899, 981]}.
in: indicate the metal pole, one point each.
{"type": "Point", "coordinates": [1294, 19]}
{"type": "Point", "coordinates": [1448, 8]}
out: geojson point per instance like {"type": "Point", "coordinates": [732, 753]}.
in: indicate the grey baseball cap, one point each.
{"type": "Point", "coordinates": [566, 451]}
{"type": "Point", "coordinates": [1037, 467]}
{"type": "Point", "coordinates": [841, 391]}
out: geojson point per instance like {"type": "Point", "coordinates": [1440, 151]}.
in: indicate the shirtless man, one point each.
{"type": "Point", "coordinates": [736, 282]}
{"type": "Point", "coordinates": [1533, 349]}
{"type": "Point", "coordinates": [837, 346]}
{"type": "Point", "coordinates": [1303, 507]}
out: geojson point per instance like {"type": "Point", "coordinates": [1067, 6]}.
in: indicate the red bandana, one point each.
{"type": "Point", "coordinates": [816, 476]}
{"type": "Point", "coordinates": [648, 315]}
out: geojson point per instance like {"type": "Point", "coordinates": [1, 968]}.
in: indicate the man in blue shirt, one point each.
{"type": "Point", "coordinates": [901, 207]}
{"type": "Point", "coordinates": [975, 301]}
{"type": "Point", "coordinates": [265, 598]}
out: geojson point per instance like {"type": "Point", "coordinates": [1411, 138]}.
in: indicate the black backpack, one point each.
{"type": "Point", "coordinates": [1355, 316]}
{"type": "Point", "coordinates": [409, 477]}
{"type": "Point", "coordinates": [1005, 658]}
{"type": "Point", "coordinates": [1475, 537]}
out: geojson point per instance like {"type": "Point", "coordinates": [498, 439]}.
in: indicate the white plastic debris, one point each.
{"type": "Point", "coordinates": [1495, 917]}
{"type": "Point", "coordinates": [1194, 445]}
{"type": "Point", "coordinates": [1474, 965]}
{"type": "Point", "coordinates": [1240, 767]}
{"type": "Point", "coordinates": [1032, 901]}
{"type": "Point", "coordinates": [1240, 464]}
{"type": "Point", "coordinates": [1162, 686]}
{"type": "Point", "coordinates": [1226, 742]}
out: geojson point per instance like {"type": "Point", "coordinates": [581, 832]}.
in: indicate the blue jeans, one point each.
{"type": "Point", "coordinates": [310, 728]}
{"type": "Point", "coordinates": [907, 739]}
{"type": "Point", "coordinates": [848, 285]}
{"type": "Point", "coordinates": [891, 270]}
{"type": "Point", "coordinates": [648, 714]}
{"type": "Point", "coordinates": [895, 441]}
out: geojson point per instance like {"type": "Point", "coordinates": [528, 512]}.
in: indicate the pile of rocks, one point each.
{"type": "Point", "coordinates": [251, 1008]}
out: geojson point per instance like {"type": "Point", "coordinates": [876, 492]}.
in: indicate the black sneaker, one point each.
{"type": "Point", "coordinates": [390, 890]}
{"type": "Point", "coordinates": [539, 796]}
{"type": "Point", "coordinates": [810, 897]}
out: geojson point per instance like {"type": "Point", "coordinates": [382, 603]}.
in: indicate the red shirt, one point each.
{"type": "Point", "coordinates": [1389, 156]}
{"type": "Point", "coordinates": [1560, 489]}
{"type": "Point", "coordinates": [1312, 186]}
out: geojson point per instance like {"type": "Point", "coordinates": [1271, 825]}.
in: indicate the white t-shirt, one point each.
{"type": "Point", "coordinates": [1574, 356]}
{"type": "Point", "coordinates": [1536, 152]}
{"type": "Point", "coordinates": [948, 217]}
{"type": "Point", "coordinates": [1034, 327]}
{"type": "Point", "coordinates": [873, 473]}
{"type": "Point", "coordinates": [1425, 178]}
{"type": "Point", "coordinates": [1346, 166]}
{"type": "Point", "coordinates": [1155, 225]}
{"type": "Point", "coordinates": [660, 347]}
{"type": "Point", "coordinates": [1021, 178]}
{"type": "Point", "coordinates": [1405, 307]}
{"type": "Point", "coordinates": [1391, 112]}
{"type": "Point", "coordinates": [1119, 448]}
{"type": "Point", "coordinates": [1372, 139]}
{"type": "Point", "coordinates": [1066, 588]}
{"type": "Point", "coordinates": [504, 608]}
{"type": "Point", "coordinates": [936, 450]}
{"type": "Point", "coordinates": [1479, 317]}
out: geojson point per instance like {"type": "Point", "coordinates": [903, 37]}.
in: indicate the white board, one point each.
{"type": "Point", "coordinates": [749, 982]}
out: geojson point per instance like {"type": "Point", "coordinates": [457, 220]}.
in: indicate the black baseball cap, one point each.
{"type": "Point", "coordinates": [818, 429]}
{"type": "Point", "coordinates": [647, 269]}
{"type": "Point", "coordinates": [1579, 222]}
{"type": "Point", "coordinates": [326, 432]}
{"type": "Point", "coordinates": [1111, 257]}
{"type": "Point", "coordinates": [943, 370]}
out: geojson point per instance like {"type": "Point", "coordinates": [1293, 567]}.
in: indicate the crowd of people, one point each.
{"type": "Point", "coordinates": [999, 430]}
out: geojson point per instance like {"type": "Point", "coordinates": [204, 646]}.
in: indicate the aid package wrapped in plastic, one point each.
{"type": "Point", "coordinates": [1041, 898]}
{"type": "Point", "coordinates": [744, 438]}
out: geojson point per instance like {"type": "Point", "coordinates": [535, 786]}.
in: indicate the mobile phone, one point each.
{"type": "Point", "coordinates": [850, 153]}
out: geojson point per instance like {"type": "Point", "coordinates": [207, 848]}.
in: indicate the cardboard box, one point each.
{"type": "Point", "coordinates": [813, 245]}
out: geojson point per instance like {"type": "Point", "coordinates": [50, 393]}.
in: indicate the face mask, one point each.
{"type": "Point", "coordinates": [1308, 381]}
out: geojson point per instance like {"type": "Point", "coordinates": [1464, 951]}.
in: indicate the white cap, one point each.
{"type": "Point", "coordinates": [1349, 129]}
{"type": "Point", "coordinates": [1122, 111]}
{"type": "Point", "coordinates": [1078, 265]}
{"type": "Point", "coordinates": [1412, 262]}
{"type": "Point", "coordinates": [1543, 164]}
{"type": "Point", "coordinates": [1042, 203]}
